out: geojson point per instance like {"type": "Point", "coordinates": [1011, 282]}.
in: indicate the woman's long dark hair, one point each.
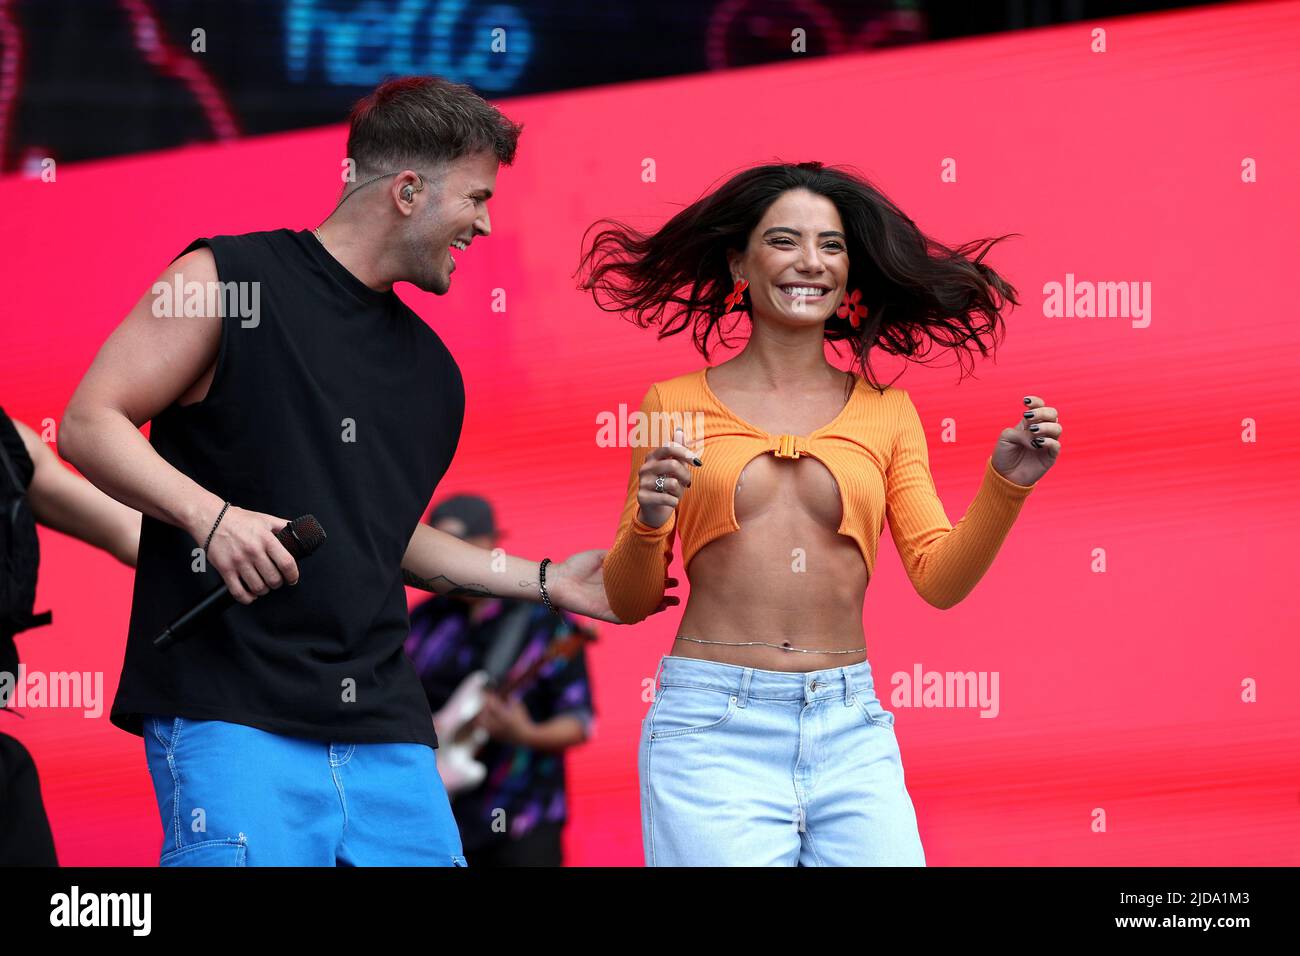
{"type": "Point", "coordinates": [914, 288]}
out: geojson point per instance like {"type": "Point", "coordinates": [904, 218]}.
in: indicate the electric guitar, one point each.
{"type": "Point", "coordinates": [458, 742]}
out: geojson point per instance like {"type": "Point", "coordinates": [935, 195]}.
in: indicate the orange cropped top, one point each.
{"type": "Point", "coordinates": [876, 451]}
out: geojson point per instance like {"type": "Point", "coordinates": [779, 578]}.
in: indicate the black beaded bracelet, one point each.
{"type": "Point", "coordinates": [546, 598]}
{"type": "Point", "coordinates": [214, 527]}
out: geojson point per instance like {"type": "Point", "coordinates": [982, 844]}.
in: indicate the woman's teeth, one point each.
{"type": "Point", "coordinates": [802, 291]}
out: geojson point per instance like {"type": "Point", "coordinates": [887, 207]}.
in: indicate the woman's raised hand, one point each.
{"type": "Point", "coordinates": [1025, 452]}
{"type": "Point", "coordinates": [664, 477]}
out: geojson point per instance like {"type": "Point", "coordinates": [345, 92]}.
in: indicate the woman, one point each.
{"type": "Point", "coordinates": [766, 743]}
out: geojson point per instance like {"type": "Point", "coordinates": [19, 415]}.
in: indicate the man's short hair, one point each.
{"type": "Point", "coordinates": [413, 120]}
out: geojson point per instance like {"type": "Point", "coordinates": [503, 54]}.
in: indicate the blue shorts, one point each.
{"type": "Point", "coordinates": [746, 767]}
{"type": "Point", "coordinates": [231, 795]}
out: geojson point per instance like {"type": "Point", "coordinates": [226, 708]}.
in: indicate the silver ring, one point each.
{"type": "Point", "coordinates": [659, 483]}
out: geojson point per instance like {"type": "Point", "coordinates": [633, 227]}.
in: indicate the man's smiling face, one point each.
{"type": "Point", "coordinates": [450, 213]}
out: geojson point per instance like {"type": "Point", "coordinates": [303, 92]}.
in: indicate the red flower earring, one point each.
{"type": "Point", "coordinates": [737, 295]}
{"type": "Point", "coordinates": [852, 309]}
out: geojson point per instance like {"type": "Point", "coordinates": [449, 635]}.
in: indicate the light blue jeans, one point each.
{"type": "Point", "coordinates": [746, 767]}
{"type": "Point", "coordinates": [232, 795]}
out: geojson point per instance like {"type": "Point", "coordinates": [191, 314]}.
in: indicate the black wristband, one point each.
{"type": "Point", "coordinates": [546, 598]}
{"type": "Point", "coordinates": [214, 528]}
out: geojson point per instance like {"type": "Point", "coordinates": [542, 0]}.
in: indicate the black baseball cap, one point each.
{"type": "Point", "coordinates": [472, 511]}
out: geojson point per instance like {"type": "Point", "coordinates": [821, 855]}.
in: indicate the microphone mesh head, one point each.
{"type": "Point", "coordinates": [301, 536]}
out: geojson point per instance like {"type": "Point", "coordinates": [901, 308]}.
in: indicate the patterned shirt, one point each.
{"type": "Point", "coordinates": [446, 646]}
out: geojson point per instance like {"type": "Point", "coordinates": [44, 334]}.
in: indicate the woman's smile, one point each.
{"type": "Point", "coordinates": [809, 292]}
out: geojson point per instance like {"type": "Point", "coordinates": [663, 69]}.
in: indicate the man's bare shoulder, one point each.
{"type": "Point", "coordinates": [197, 265]}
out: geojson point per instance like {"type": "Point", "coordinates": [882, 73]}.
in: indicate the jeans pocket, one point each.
{"type": "Point", "coordinates": [164, 729]}
{"type": "Point", "coordinates": [227, 852]}
{"type": "Point", "coordinates": [681, 709]}
{"type": "Point", "coordinates": [873, 712]}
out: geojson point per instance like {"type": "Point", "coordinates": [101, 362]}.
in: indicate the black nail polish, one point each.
{"type": "Point", "coordinates": [1033, 428]}
{"type": "Point", "coordinates": [1029, 414]}
{"type": "Point", "coordinates": [1028, 399]}
{"type": "Point", "coordinates": [697, 461]}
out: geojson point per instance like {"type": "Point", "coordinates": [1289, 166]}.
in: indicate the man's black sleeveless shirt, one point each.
{"type": "Point", "coordinates": [333, 400]}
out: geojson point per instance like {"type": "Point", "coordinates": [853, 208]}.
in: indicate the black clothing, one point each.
{"type": "Point", "coordinates": [328, 398]}
{"type": "Point", "coordinates": [25, 838]}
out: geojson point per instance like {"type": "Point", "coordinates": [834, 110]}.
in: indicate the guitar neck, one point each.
{"type": "Point", "coordinates": [565, 647]}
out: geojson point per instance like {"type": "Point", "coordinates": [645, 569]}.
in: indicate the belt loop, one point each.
{"type": "Point", "coordinates": [848, 686]}
{"type": "Point", "coordinates": [745, 678]}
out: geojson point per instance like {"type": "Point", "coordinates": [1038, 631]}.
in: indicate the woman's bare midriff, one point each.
{"type": "Point", "coordinates": [786, 576]}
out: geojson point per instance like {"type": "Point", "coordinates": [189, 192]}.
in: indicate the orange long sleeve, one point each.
{"type": "Point", "coordinates": [944, 562]}
{"type": "Point", "coordinates": [875, 449]}
{"type": "Point", "coordinates": [636, 566]}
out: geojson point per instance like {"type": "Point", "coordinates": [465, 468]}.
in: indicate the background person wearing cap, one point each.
{"type": "Point", "coordinates": [516, 816]}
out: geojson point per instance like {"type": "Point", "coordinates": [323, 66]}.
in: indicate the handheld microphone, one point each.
{"type": "Point", "coordinates": [300, 537]}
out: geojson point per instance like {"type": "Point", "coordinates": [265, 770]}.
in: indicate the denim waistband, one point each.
{"type": "Point", "coordinates": [746, 682]}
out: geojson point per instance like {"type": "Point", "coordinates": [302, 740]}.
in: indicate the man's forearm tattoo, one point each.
{"type": "Point", "coordinates": [438, 583]}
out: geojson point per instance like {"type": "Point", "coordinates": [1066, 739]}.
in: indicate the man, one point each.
{"type": "Point", "coordinates": [328, 397]}
{"type": "Point", "coordinates": [516, 815]}
{"type": "Point", "coordinates": [36, 488]}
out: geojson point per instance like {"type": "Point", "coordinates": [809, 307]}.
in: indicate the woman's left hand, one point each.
{"type": "Point", "coordinates": [1025, 452]}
